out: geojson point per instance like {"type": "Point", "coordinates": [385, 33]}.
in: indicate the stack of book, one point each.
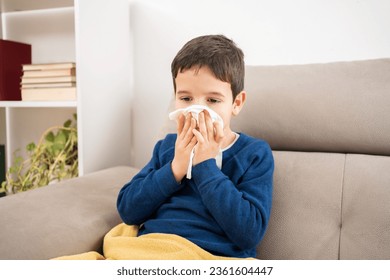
{"type": "Point", "coordinates": [47, 82]}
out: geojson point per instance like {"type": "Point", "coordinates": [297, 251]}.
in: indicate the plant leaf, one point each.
{"type": "Point", "coordinates": [68, 123]}
{"type": "Point", "coordinates": [59, 147]}
{"type": "Point", "coordinates": [30, 147]}
{"type": "Point", "coordinates": [50, 137]}
{"type": "Point", "coordinates": [60, 138]}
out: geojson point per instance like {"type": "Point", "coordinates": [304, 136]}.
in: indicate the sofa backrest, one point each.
{"type": "Point", "coordinates": [331, 107]}
{"type": "Point", "coordinates": [329, 127]}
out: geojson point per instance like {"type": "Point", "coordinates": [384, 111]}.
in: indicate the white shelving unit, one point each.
{"type": "Point", "coordinates": [95, 35]}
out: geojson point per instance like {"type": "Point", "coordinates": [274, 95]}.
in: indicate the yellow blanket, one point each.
{"type": "Point", "coordinates": [122, 243]}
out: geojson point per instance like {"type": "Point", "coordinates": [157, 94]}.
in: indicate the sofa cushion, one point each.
{"type": "Point", "coordinates": [306, 211]}
{"type": "Point", "coordinates": [365, 232]}
{"type": "Point", "coordinates": [331, 107]}
{"type": "Point", "coordinates": [66, 218]}
{"type": "Point", "coordinates": [329, 206]}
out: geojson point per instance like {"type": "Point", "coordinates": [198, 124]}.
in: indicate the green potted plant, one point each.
{"type": "Point", "coordinates": [53, 159]}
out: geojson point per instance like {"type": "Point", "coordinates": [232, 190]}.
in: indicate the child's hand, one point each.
{"type": "Point", "coordinates": [185, 142]}
{"type": "Point", "coordinates": [209, 138]}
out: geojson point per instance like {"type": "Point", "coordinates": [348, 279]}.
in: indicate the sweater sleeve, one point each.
{"type": "Point", "coordinates": [241, 210]}
{"type": "Point", "coordinates": [139, 198]}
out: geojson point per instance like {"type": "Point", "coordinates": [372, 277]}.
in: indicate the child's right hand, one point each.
{"type": "Point", "coordinates": [185, 142]}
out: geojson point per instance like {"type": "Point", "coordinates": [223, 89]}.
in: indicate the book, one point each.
{"type": "Point", "coordinates": [49, 94]}
{"type": "Point", "coordinates": [45, 82]}
{"type": "Point", "coordinates": [48, 85]}
{"type": "Point", "coordinates": [50, 73]}
{"type": "Point", "coordinates": [12, 56]}
{"type": "Point", "coordinates": [48, 66]}
{"type": "Point", "coordinates": [37, 80]}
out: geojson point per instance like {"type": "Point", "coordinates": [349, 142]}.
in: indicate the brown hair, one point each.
{"type": "Point", "coordinates": [218, 53]}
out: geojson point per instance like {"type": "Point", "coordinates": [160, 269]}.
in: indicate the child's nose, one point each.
{"type": "Point", "coordinates": [201, 102]}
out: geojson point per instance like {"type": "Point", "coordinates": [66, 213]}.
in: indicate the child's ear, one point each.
{"type": "Point", "coordinates": [238, 103]}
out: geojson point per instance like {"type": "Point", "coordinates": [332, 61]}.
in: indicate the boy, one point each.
{"type": "Point", "coordinates": [224, 210]}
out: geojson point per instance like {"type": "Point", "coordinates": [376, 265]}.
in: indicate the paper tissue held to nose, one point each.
{"type": "Point", "coordinates": [195, 110]}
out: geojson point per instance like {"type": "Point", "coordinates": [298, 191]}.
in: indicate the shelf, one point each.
{"type": "Point", "coordinates": [28, 5]}
{"type": "Point", "coordinates": [37, 104]}
{"type": "Point", "coordinates": [95, 35]}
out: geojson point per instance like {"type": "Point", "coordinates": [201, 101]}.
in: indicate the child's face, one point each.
{"type": "Point", "coordinates": [200, 87]}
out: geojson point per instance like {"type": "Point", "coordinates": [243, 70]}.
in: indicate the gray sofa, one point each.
{"type": "Point", "coordinates": [329, 128]}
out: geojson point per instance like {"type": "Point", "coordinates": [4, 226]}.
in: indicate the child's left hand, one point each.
{"type": "Point", "coordinates": [209, 137]}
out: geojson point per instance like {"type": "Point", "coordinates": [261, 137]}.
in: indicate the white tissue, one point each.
{"type": "Point", "coordinates": [195, 110]}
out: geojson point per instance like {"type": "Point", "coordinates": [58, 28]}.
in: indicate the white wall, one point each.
{"type": "Point", "coordinates": [103, 83]}
{"type": "Point", "coordinates": [269, 32]}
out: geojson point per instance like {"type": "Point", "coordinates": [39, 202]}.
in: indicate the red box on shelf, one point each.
{"type": "Point", "coordinates": [12, 56]}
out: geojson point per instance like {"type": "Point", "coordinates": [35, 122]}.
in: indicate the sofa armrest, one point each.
{"type": "Point", "coordinates": [69, 217]}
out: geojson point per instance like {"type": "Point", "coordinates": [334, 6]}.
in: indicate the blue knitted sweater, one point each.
{"type": "Point", "coordinates": [225, 212]}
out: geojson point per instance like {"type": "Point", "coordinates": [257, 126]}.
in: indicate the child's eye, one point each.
{"type": "Point", "coordinates": [212, 100]}
{"type": "Point", "coordinates": [186, 99]}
